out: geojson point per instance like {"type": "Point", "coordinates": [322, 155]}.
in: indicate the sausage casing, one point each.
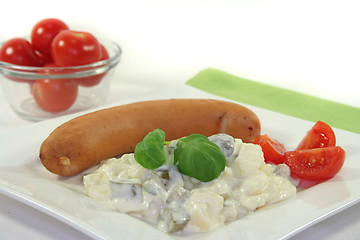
{"type": "Point", "coordinates": [86, 140]}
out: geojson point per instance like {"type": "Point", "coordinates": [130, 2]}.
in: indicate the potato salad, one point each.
{"type": "Point", "coordinates": [175, 201]}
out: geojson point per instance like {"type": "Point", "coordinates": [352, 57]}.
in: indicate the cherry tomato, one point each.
{"type": "Point", "coordinates": [104, 53]}
{"type": "Point", "coordinates": [19, 51]}
{"type": "Point", "coordinates": [272, 148]}
{"type": "Point", "coordinates": [45, 58]}
{"type": "Point", "coordinates": [317, 164]}
{"type": "Point", "coordinates": [71, 48]}
{"type": "Point", "coordinates": [320, 135]}
{"type": "Point", "coordinates": [44, 32]}
{"type": "Point", "coordinates": [55, 95]}
{"type": "Point", "coordinates": [95, 79]}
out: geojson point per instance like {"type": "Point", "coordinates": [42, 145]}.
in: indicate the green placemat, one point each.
{"type": "Point", "coordinates": [278, 99]}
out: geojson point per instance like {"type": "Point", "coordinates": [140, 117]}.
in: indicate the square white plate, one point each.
{"type": "Point", "coordinates": [22, 177]}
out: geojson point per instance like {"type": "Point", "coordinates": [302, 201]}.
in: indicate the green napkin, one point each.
{"type": "Point", "coordinates": [277, 99]}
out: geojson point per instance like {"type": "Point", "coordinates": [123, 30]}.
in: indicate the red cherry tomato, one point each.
{"type": "Point", "coordinates": [320, 135]}
{"type": "Point", "coordinates": [317, 164]}
{"type": "Point", "coordinates": [104, 53]}
{"type": "Point", "coordinates": [44, 32]}
{"type": "Point", "coordinates": [71, 48]}
{"type": "Point", "coordinates": [45, 59]}
{"type": "Point", "coordinates": [95, 79]}
{"type": "Point", "coordinates": [19, 51]}
{"type": "Point", "coordinates": [272, 148]}
{"type": "Point", "coordinates": [55, 95]}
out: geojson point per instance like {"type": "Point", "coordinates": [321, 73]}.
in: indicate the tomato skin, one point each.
{"type": "Point", "coordinates": [320, 135]}
{"type": "Point", "coordinates": [19, 51]}
{"type": "Point", "coordinates": [273, 150]}
{"type": "Point", "coordinates": [45, 58]}
{"type": "Point", "coordinates": [55, 95]}
{"type": "Point", "coordinates": [72, 48]}
{"type": "Point", "coordinates": [317, 164]}
{"type": "Point", "coordinates": [104, 53]}
{"type": "Point", "coordinates": [43, 33]}
{"type": "Point", "coordinates": [95, 79]}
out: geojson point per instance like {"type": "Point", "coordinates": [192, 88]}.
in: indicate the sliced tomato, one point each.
{"type": "Point", "coordinates": [320, 135]}
{"type": "Point", "coordinates": [272, 148]}
{"type": "Point", "coordinates": [317, 164]}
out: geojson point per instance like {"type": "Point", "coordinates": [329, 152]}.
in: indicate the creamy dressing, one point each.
{"type": "Point", "coordinates": [175, 202]}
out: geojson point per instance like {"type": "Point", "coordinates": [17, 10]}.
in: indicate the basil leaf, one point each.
{"type": "Point", "coordinates": [150, 152]}
{"type": "Point", "coordinates": [198, 157]}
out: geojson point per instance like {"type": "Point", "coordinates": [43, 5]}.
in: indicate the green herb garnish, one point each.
{"type": "Point", "coordinates": [195, 156]}
{"type": "Point", "coordinates": [150, 152]}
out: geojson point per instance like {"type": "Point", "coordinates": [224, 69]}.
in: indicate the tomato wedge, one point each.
{"type": "Point", "coordinates": [320, 135]}
{"type": "Point", "coordinates": [316, 164]}
{"type": "Point", "coordinates": [272, 148]}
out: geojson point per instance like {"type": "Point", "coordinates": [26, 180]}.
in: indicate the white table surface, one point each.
{"type": "Point", "coordinates": [311, 46]}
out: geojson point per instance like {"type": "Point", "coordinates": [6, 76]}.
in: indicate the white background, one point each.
{"type": "Point", "coordinates": [312, 46]}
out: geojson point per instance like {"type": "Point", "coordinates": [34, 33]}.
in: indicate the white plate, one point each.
{"type": "Point", "coordinates": [22, 177]}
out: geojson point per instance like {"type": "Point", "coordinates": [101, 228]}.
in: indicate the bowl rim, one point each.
{"type": "Point", "coordinates": [113, 59]}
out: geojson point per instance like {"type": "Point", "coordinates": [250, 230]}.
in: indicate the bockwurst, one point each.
{"type": "Point", "coordinates": [86, 140]}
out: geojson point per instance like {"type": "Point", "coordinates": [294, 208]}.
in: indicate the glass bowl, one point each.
{"type": "Point", "coordinates": [92, 81]}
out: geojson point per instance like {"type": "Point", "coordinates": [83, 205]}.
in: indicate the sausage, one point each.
{"type": "Point", "coordinates": [86, 140]}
